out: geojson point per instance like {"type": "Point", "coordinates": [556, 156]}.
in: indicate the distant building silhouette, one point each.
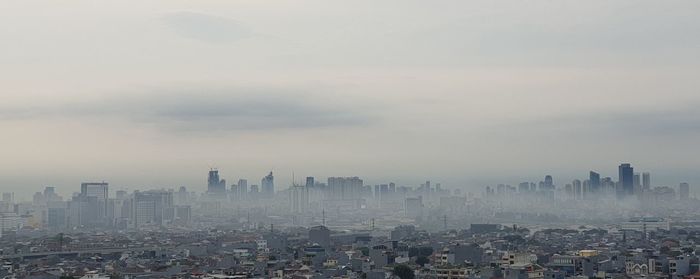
{"type": "Point", "coordinates": [684, 191]}
{"type": "Point", "coordinates": [268, 186]}
{"type": "Point", "coordinates": [646, 181]}
{"type": "Point", "coordinates": [214, 184]}
{"type": "Point", "coordinates": [594, 181]}
{"type": "Point", "coordinates": [626, 181]}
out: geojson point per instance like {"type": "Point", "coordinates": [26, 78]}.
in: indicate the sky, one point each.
{"type": "Point", "coordinates": [152, 94]}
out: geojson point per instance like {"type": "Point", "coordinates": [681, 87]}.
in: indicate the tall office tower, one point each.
{"type": "Point", "coordinates": [345, 188]}
{"type": "Point", "coordinates": [242, 189]}
{"type": "Point", "coordinates": [152, 207]}
{"type": "Point", "coordinates": [637, 183]}
{"type": "Point", "coordinates": [392, 188]}
{"type": "Point", "coordinates": [50, 194]}
{"type": "Point", "coordinates": [524, 187]}
{"type": "Point", "coordinates": [646, 181]}
{"type": "Point", "coordinates": [8, 197]}
{"type": "Point", "coordinates": [607, 186]}
{"type": "Point", "coordinates": [121, 194]}
{"type": "Point", "coordinates": [254, 192]}
{"type": "Point", "coordinates": [234, 195]}
{"type": "Point", "coordinates": [684, 191]}
{"type": "Point", "coordinates": [383, 192]}
{"type": "Point", "coordinates": [215, 185]}
{"type": "Point", "coordinates": [100, 190]}
{"type": "Point", "coordinates": [586, 189]}
{"type": "Point", "coordinates": [182, 197]}
{"type": "Point", "coordinates": [594, 182]}
{"type": "Point", "coordinates": [578, 191]}
{"type": "Point", "coordinates": [548, 182]}
{"type": "Point", "coordinates": [626, 180]}
{"type": "Point", "coordinates": [268, 186]}
{"type": "Point", "coordinates": [38, 199]}
{"type": "Point", "coordinates": [310, 182]}
{"type": "Point", "coordinates": [569, 190]}
{"type": "Point", "coordinates": [299, 198]}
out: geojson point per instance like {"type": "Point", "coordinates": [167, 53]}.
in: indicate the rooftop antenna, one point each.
{"type": "Point", "coordinates": [444, 220]}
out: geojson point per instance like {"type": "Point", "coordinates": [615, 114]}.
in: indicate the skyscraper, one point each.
{"type": "Point", "coordinates": [646, 181]}
{"type": "Point", "coordinates": [578, 189]}
{"type": "Point", "coordinates": [548, 182]}
{"type": "Point", "coordinates": [310, 182]}
{"type": "Point", "coordinates": [344, 188]}
{"type": "Point", "coordinates": [99, 190]}
{"type": "Point", "coordinates": [594, 182]}
{"type": "Point", "coordinates": [637, 182]}
{"type": "Point", "coordinates": [242, 189]}
{"type": "Point", "coordinates": [626, 180]}
{"type": "Point", "coordinates": [268, 186]}
{"type": "Point", "coordinates": [214, 184]}
{"type": "Point", "coordinates": [684, 191]}
{"type": "Point", "coordinates": [152, 207]}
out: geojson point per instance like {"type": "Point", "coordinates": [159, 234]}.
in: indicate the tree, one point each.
{"type": "Point", "coordinates": [413, 251]}
{"type": "Point", "coordinates": [426, 251]}
{"type": "Point", "coordinates": [404, 272]}
{"type": "Point", "coordinates": [422, 260]}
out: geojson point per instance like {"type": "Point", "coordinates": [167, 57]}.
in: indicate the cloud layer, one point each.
{"type": "Point", "coordinates": [204, 110]}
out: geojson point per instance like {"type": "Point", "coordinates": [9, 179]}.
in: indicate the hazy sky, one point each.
{"type": "Point", "coordinates": [467, 93]}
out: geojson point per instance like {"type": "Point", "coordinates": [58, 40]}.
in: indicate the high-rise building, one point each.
{"type": "Point", "coordinates": [684, 191]}
{"type": "Point", "coordinates": [524, 187]}
{"type": "Point", "coordinates": [548, 182]}
{"type": "Point", "coordinates": [8, 198]}
{"type": "Point", "coordinates": [578, 189]}
{"type": "Point", "coordinates": [254, 192]}
{"type": "Point", "coordinates": [215, 185]}
{"type": "Point", "coordinates": [626, 180]}
{"type": "Point", "coordinates": [299, 198]}
{"type": "Point", "coordinates": [345, 188]}
{"type": "Point", "coordinates": [152, 207]}
{"type": "Point", "coordinates": [637, 182]}
{"type": "Point", "coordinates": [99, 190]}
{"type": "Point", "coordinates": [268, 186]}
{"type": "Point", "coordinates": [242, 189]}
{"type": "Point", "coordinates": [646, 181]}
{"type": "Point", "coordinates": [310, 182]}
{"type": "Point", "coordinates": [594, 182]}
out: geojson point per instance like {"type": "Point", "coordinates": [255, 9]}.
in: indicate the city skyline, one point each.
{"type": "Point", "coordinates": [415, 91]}
{"type": "Point", "coordinates": [217, 184]}
{"type": "Point", "coordinates": [364, 139]}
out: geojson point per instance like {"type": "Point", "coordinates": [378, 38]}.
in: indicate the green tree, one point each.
{"type": "Point", "coordinates": [426, 251]}
{"type": "Point", "coordinates": [413, 251]}
{"type": "Point", "coordinates": [404, 272]}
{"type": "Point", "coordinates": [422, 260]}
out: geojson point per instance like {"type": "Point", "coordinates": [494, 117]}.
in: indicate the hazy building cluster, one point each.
{"type": "Point", "coordinates": [628, 185]}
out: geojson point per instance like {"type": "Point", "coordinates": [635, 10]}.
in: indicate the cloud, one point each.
{"type": "Point", "coordinates": [205, 27]}
{"type": "Point", "coordinates": [206, 110]}
{"type": "Point", "coordinates": [615, 124]}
